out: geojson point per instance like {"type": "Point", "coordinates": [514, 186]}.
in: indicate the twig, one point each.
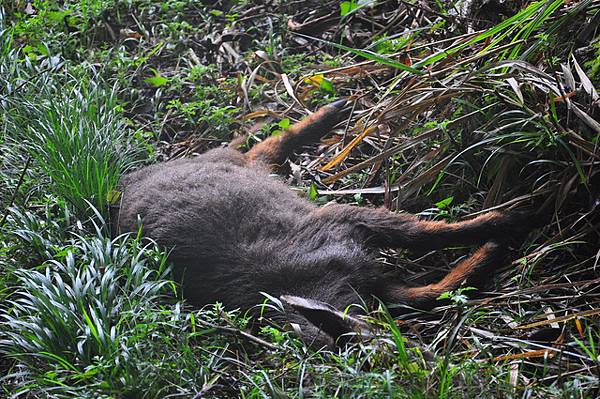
{"type": "Point", "coordinates": [14, 195]}
{"type": "Point", "coordinates": [244, 334]}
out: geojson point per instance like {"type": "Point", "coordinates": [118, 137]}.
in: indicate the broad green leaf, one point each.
{"type": "Point", "coordinates": [347, 6]}
{"type": "Point", "coordinates": [313, 194]}
{"type": "Point", "coordinates": [284, 123]}
{"type": "Point", "coordinates": [444, 203]}
{"type": "Point", "coordinates": [327, 86]}
{"type": "Point", "coordinates": [157, 80]}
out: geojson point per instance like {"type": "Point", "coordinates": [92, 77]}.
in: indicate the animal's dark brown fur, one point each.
{"type": "Point", "coordinates": [234, 232]}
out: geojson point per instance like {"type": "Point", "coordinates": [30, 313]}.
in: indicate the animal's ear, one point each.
{"type": "Point", "coordinates": [326, 317]}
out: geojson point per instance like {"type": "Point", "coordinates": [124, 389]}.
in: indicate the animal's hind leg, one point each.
{"type": "Point", "coordinates": [382, 228]}
{"type": "Point", "coordinates": [476, 269]}
{"type": "Point", "coordinates": [274, 150]}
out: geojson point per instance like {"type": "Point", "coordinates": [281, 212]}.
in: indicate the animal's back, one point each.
{"type": "Point", "coordinates": [213, 198]}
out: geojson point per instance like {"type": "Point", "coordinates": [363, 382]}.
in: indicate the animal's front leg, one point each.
{"type": "Point", "coordinates": [274, 150]}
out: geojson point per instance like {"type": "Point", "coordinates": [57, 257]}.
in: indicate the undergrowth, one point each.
{"type": "Point", "coordinates": [458, 108]}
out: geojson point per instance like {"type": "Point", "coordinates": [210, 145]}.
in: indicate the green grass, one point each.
{"type": "Point", "coordinates": [68, 126]}
{"type": "Point", "coordinates": [77, 138]}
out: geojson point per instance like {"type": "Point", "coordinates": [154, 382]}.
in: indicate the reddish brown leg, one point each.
{"type": "Point", "coordinates": [382, 228]}
{"type": "Point", "coordinates": [477, 270]}
{"type": "Point", "coordinates": [274, 150]}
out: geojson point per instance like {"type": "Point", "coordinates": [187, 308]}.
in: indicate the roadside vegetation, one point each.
{"type": "Point", "coordinates": [458, 107]}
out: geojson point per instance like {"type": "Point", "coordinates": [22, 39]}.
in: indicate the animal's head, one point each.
{"type": "Point", "coordinates": [320, 324]}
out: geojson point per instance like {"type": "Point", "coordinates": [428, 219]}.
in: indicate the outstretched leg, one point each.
{"type": "Point", "coordinates": [382, 228]}
{"type": "Point", "coordinates": [476, 269]}
{"type": "Point", "coordinates": [274, 150]}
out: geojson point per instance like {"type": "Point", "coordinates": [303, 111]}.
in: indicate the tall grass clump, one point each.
{"type": "Point", "coordinates": [96, 319]}
{"type": "Point", "coordinates": [77, 137]}
{"type": "Point", "coordinates": [10, 75]}
{"type": "Point", "coordinates": [82, 143]}
{"type": "Point", "coordinates": [68, 123]}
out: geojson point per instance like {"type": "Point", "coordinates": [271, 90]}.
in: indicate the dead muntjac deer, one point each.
{"type": "Point", "coordinates": [235, 232]}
